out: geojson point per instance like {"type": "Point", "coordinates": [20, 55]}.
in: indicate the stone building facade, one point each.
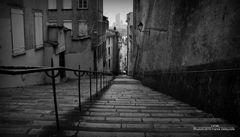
{"type": "Point", "coordinates": [112, 54]}
{"type": "Point", "coordinates": [22, 39]}
{"type": "Point", "coordinates": [188, 49]}
{"type": "Point", "coordinates": [129, 42]}
{"type": "Point", "coordinates": [85, 19]}
{"type": "Point", "coordinates": [72, 32]}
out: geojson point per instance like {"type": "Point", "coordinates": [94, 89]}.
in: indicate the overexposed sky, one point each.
{"type": "Point", "coordinates": [113, 7]}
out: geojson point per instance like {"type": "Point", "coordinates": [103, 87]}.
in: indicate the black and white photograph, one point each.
{"type": "Point", "coordinates": [120, 68]}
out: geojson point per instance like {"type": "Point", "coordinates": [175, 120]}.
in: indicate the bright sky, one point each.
{"type": "Point", "coordinates": [113, 7]}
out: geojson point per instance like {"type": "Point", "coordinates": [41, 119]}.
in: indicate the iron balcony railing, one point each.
{"type": "Point", "coordinates": [104, 82]}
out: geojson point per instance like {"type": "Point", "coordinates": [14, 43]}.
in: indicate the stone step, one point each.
{"type": "Point", "coordinates": [112, 119]}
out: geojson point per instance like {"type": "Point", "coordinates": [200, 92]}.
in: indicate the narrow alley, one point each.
{"type": "Point", "coordinates": [120, 68]}
{"type": "Point", "coordinates": [125, 109]}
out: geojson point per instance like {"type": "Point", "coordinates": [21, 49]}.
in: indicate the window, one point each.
{"type": "Point", "coordinates": [38, 29]}
{"type": "Point", "coordinates": [109, 51]}
{"type": "Point", "coordinates": [82, 4]}
{"type": "Point", "coordinates": [67, 24]}
{"type": "Point", "coordinates": [109, 65]}
{"type": "Point", "coordinates": [83, 28]}
{"type": "Point", "coordinates": [52, 4]}
{"type": "Point", "coordinates": [17, 24]}
{"type": "Point", "coordinates": [67, 4]}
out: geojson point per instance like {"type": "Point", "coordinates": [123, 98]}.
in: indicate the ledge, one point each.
{"type": "Point", "coordinates": [52, 43]}
{"type": "Point", "coordinates": [81, 38]}
{"type": "Point", "coordinates": [52, 9]}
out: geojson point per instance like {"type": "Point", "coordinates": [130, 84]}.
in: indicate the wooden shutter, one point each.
{"type": "Point", "coordinates": [18, 40]}
{"type": "Point", "coordinates": [67, 4]}
{"type": "Point", "coordinates": [38, 30]}
{"type": "Point", "coordinates": [52, 4]}
{"type": "Point", "coordinates": [83, 28]}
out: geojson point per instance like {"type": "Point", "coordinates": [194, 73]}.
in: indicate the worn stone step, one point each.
{"type": "Point", "coordinates": [103, 134]}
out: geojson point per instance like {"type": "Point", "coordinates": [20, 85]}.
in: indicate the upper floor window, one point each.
{"type": "Point", "coordinates": [82, 4]}
{"type": "Point", "coordinates": [67, 4]}
{"type": "Point", "coordinates": [52, 4]}
{"type": "Point", "coordinates": [17, 24]}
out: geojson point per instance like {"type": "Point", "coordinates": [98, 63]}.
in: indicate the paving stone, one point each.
{"type": "Point", "coordinates": [124, 119]}
{"type": "Point", "coordinates": [135, 114]}
{"type": "Point", "coordinates": [167, 114]}
{"type": "Point", "coordinates": [174, 127]}
{"type": "Point", "coordinates": [104, 113]}
{"type": "Point", "coordinates": [128, 110]}
{"type": "Point", "coordinates": [130, 107]}
{"type": "Point", "coordinates": [103, 134]}
{"type": "Point", "coordinates": [162, 120]}
{"type": "Point", "coordinates": [143, 126]}
{"type": "Point", "coordinates": [102, 110]}
{"type": "Point", "coordinates": [99, 125]}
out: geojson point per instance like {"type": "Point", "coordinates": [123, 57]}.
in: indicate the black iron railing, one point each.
{"type": "Point", "coordinates": [104, 82]}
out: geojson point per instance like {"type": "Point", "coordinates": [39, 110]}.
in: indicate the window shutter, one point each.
{"type": "Point", "coordinates": [52, 4]}
{"type": "Point", "coordinates": [67, 4]}
{"type": "Point", "coordinates": [38, 30]}
{"type": "Point", "coordinates": [83, 28]}
{"type": "Point", "coordinates": [17, 31]}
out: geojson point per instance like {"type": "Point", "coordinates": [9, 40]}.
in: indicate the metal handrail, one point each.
{"type": "Point", "coordinates": [8, 70]}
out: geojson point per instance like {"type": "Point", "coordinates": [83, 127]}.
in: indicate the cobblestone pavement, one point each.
{"type": "Point", "coordinates": [125, 109]}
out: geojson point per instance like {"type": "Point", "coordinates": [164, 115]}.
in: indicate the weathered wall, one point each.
{"type": "Point", "coordinates": [200, 35]}
{"type": "Point", "coordinates": [78, 53]}
{"type": "Point", "coordinates": [32, 56]}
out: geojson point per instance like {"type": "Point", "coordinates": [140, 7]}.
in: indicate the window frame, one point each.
{"type": "Point", "coordinates": [82, 1]}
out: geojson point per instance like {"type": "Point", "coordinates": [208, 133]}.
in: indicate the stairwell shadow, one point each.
{"type": "Point", "coordinates": [72, 119]}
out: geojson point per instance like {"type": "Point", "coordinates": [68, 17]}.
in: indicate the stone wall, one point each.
{"type": "Point", "coordinates": [191, 35]}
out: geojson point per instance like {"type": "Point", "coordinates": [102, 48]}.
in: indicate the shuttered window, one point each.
{"type": "Point", "coordinates": [52, 4]}
{"type": "Point", "coordinates": [38, 30]}
{"type": "Point", "coordinates": [83, 28]}
{"type": "Point", "coordinates": [67, 4]}
{"type": "Point", "coordinates": [17, 24]}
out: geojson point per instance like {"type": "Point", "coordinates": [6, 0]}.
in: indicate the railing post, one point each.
{"type": "Point", "coordinates": [54, 95]}
{"type": "Point", "coordinates": [79, 88]}
{"type": "Point", "coordinates": [96, 83]}
{"type": "Point", "coordinates": [90, 83]}
{"type": "Point", "coordinates": [101, 81]}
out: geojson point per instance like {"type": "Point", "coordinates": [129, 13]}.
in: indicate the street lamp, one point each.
{"type": "Point", "coordinates": [140, 27]}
